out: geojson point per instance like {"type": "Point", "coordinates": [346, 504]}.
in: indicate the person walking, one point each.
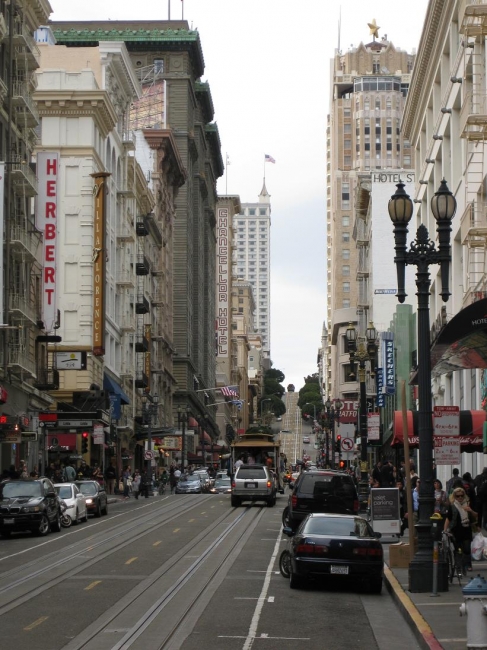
{"type": "Point", "coordinates": [126, 477]}
{"type": "Point", "coordinates": [449, 483]}
{"type": "Point", "coordinates": [111, 477]}
{"type": "Point", "coordinates": [144, 484]}
{"type": "Point", "coordinates": [459, 520]}
{"type": "Point", "coordinates": [173, 480]}
{"type": "Point", "coordinates": [136, 483]}
{"type": "Point", "coordinates": [70, 472]}
{"type": "Point", "coordinates": [441, 498]}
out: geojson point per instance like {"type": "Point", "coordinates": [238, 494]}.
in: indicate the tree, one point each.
{"type": "Point", "coordinates": [274, 373]}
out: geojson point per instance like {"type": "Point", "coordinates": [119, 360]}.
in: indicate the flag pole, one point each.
{"type": "Point", "coordinates": [182, 9]}
{"type": "Point", "coordinates": [264, 169]}
{"type": "Point", "coordinates": [169, 9]}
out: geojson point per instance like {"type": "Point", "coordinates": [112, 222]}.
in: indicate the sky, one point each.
{"type": "Point", "coordinates": [267, 63]}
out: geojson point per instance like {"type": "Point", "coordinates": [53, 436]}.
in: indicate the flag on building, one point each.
{"type": "Point", "coordinates": [269, 158]}
{"type": "Point", "coordinates": [229, 391]}
{"type": "Point", "coordinates": [237, 402]}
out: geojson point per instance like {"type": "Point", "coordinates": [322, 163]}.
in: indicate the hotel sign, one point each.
{"type": "Point", "coordinates": [46, 222]}
{"type": "Point", "coordinates": [99, 264]}
{"type": "Point", "coordinates": [223, 282]}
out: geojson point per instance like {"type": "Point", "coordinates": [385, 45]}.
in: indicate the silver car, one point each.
{"type": "Point", "coordinates": [75, 501]}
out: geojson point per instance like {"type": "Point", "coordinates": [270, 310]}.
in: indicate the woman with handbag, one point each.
{"type": "Point", "coordinates": [459, 520]}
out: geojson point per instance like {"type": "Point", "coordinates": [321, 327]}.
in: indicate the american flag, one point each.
{"type": "Point", "coordinates": [269, 158]}
{"type": "Point", "coordinates": [229, 391]}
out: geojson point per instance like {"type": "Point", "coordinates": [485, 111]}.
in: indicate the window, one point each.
{"type": "Point", "coordinates": [345, 303]}
{"type": "Point", "coordinates": [346, 112]}
{"type": "Point", "coordinates": [407, 161]}
{"type": "Point", "coordinates": [252, 212]}
{"type": "Point", "coordinates": [366, 104]}
{"type": "Point", "coordinates": [345, 196]}
{"type": "Point", "coordinates": [345, 270]}
{"type": "Point", "coordinates": [262, 212]}
{"type": "Point", "coordinates": [347, 128]}
{"type": "Point", "coordinates": [347, 144]}
{"type": "Point", "coordinates": [346, 373]}
{"type": "Point", "coordinates": [158, 65]}
{"type": "Point", "coordinates": [377, 103]}
{"type": "Point", "coordinates": [345, 220]}
{"type": "Point", "coordinates": [345, 237]}
{"type": "Point", "coordinates": [345, 253]}
{"type": "Point", "coordinates": [346, 287]}
{"type": "Point", "coordinates": [347, 161]}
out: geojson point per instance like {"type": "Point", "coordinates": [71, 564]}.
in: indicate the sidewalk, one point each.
{"type": "Point", "coordinates": [435, 621]}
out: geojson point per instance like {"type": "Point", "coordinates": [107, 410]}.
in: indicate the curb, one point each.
{"type": "Point", "coordinates": [421, 629]}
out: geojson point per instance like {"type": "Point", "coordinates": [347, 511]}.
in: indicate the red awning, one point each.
{"type": "Point", "coordinates": [471, 429]}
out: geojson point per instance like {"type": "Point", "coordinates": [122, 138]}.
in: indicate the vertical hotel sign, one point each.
{"type": "Point", "coordinates": [99, 263]}
{"type": "Point", "coordinates": [46, 222]}
{"type": "Point", "coordinates": [223, 282]}
{"type": "Point", "coordinates": [388, 362]}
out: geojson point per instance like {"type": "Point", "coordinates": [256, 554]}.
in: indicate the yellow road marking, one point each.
{"type": "Point", "coordinates": [157, 543]}
{"type": "Point", "coordinates": [190, 520]}
{"type": "Point", "coordinates": [176, 530]}
{"type": "Point", "coordinates": [92, 584]}
{"type": "Point", "coordinates": [36, 623]}
{"type": "Point", "coordinates": [132, 559]}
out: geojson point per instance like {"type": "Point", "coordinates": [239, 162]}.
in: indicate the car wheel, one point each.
{"type": "Point", "coordinates": [285, 563]}
{"type": "Point", "coordinates": [76, 519]}
{"type": "Point", "coordinates": [285, 517]}
{"type": "Point", "coordinates": [295, 582]}
{"type": "Point", "coordinates": [235, 502]}
{"type": "Point", "coordinates": [375, 586]}
{"type": "Point", "coordinates": [56, 524]}
{"type": "Point", "coordinates": [44, 527]}
{"type": "Point", "coordinates": [98, 510]}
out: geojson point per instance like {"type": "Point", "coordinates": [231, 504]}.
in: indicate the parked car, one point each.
{"type": "Point", "coordinates": [221, 486]}
{"type": "Point", "coordinates": [205, 479]}
{"type": "Point", "coordinates": [341, 546]}
{"type": "Point", "coordinates": [320, 491]}
{"type": "Point", "coordinates": [29, 505]}
{"type": "Point", "coordinates": [96, 497]}
{"type": "Point", "coordinates": [254, 483]}
{"type": "Point", "coordinates": [189, 484]}
{"type": "Point", "coordinates": [75, 501]}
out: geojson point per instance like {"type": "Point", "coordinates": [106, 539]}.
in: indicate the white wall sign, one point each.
{"type": "Point", "coordinates": [447, 451]}
{"type": "Point", "coordinates": [446, 420]}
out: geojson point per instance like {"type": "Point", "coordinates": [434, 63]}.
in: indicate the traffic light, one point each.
{"type": "Point", "coordinates": [84, 442]}
{"type": "Point", "coordinates": [338, 443]}
{"type": "Point", "coordinates": [342, 464]}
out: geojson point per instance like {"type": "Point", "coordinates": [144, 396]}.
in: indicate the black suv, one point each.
{"type": "Point", "coordinates": [320, 491]}
{"type": "Point", "coordinates": [29, 505]}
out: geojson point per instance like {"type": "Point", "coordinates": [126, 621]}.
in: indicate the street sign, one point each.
{"type": "Point", "coordinates": [447, 450]}
{"type": "Point", "coordinates": [347, 444]}
{"type": "Point", "coordinates": [446, 420]}
{"type": "Point", "coordinates": [148, 455]}
{"type": "Point", "coordinates": [73, 424]}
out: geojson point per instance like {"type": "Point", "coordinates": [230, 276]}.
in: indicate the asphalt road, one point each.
{"type": "Point", "coordinates": [179, 571]}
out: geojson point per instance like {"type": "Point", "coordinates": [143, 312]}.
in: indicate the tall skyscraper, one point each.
{"type": "Point", "coordinates": [252, 259]}
{"type": "Point", "coordinates": [369, 84]}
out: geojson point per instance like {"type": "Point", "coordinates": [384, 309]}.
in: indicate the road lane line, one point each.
{"type": "Point", "coordinates": [92, 585]}
{"type": "Point", "coordinates": [157, 543]}
{"type": "Point", "coordinates": [36, 623]}
{"type": "Point", "coordinates": [132, 559]}
{"type": "Point", "coordinates": [176, 530]}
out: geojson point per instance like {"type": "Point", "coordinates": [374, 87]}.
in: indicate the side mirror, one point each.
{"type": "Point", "coordinates": [378, 535]}
{"type": "Point", "coordinates": [287, 530]}
{"type": "Point", "coordinates": [291, 485]}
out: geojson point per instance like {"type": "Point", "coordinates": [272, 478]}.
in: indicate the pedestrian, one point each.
{"type": "Point", "coordinates": [387, 474]}
{"type": "Point", "coordinates": [127, 481]}
{"type": "Point", "coordinates": [136, 484]}
{"type": "Point", "coordinates": [441, 498]}
{"type": "Point", "coordinates": [144, 484]}
{"type": "Point", "coordinates": [449, 483]}
{"type": "Point", "coordinates": [173, 480]}
{"type": "Point", "coordinates": [469, 487]}
{"type": "Point", "coordinates": [70, 472]}
{"type": "Point", "coordinates": [376, 473]}
{"type": "Point", "coordinates": [481, 497]}
{"type": "Point", "coordinates": [459, 520]}
{"type": "Point", "coordinates": [97, 474]}
{"type": "Point", "coordinates": [111, 477]}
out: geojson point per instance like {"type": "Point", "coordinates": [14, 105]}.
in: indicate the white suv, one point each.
{"type": "Point", "coordinates": [254, 483]}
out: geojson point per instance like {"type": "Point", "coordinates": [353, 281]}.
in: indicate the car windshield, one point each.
{"type": "Point", "coordinates": [222, 481]}
{"type": "Point", "coordinates": [251, 472]}
{"type": "Point", "coordinates": [190, 479]}
{"type": "Point", "coordinates": [87, 488]}
{"type": "Point", "coordinates": [23, 489]}
{"type": "Point", "coordinates": [64, 491]}
{"type": "Point", "coordinates": [337, 527]}
{"type": "Point", "coordinates": [326, 484]}
{"type": "Point", "coordinates": [204, 475]}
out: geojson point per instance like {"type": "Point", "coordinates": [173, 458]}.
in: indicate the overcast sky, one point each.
{"type": "Point", "coordinates": [267, 63]}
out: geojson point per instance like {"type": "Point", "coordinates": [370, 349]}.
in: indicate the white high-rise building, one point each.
{"type": "Point", "coordinates": [252, 260]}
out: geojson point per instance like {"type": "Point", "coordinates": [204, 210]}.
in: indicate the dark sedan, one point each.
{"type": "Point", "coordinates": [341, 546]}
{"type": "Point", "coordinates": [96, 497]}
{"type": "Point", "coordinates": [190, 484]}
{"type": "Point", "coordinates": [221, 486]}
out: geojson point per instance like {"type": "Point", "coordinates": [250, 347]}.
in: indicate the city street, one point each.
{"type": "Point", "coordinates": [179, 572]}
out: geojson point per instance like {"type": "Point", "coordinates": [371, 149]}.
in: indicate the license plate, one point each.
{"type": "Point", "coordinates": [251, 485]}
{"type": "Point", "coordinates": [8, 521]}
{"type": "Point", "coordinates": [340, 570]}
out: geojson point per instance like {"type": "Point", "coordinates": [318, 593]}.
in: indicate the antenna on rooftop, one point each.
{"type": "Point", "coordinates": [339, 26]}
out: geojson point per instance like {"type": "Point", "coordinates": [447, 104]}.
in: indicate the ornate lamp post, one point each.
{"type": "Point", "coordinates": [422, 253]}
{"type": "Point", "coordinates": [182, 422]}
{"type": "Point", "coordinates": [362, 350]}
{"type": "Point", "coordinates": [333, 409]}
{"type": "Point", "coordinates": [150, 413]}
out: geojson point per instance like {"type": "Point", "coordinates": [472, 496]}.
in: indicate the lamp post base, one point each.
{"type": "Point", "coordinates": [421, 576]}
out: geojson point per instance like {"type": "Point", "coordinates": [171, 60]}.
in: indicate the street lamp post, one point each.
{"type": "Point", "coordinates": [422, 253]}
{"type": "Point", "coordinates": [362, 350]}
{"type": "Point", "coordinates": [333, 415]}
{"type": "Point", "coordinates": [182, 421]}
{"type": "Point", "coordinates": [150, 413]}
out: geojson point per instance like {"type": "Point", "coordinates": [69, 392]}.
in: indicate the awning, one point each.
{"type": "Point", "coordinates": [462, 342]}
{"type": "Point", "coordinates": [111, 386]}
{"type": "Point", "coordinates": [471, 429]}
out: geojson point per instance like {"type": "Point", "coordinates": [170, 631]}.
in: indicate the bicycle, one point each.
{"type": "Point", "coordinates": [451, 555]}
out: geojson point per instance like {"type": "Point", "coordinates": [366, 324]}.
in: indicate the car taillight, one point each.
{"type": "Point", "coordinates": [312, 549]}
{"type": "Point", "coordinates": [371, 552]}
{"type": "Point", "coordinates": [294, 500]}
{"type": "Point", "coordinates": [233, 484]}
{"type": "Point", "coordinates": [356, 505]}
{"type": "Point", "coordinates": [269, 484]}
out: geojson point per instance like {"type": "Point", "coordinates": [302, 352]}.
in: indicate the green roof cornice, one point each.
{"type": "Point", "coordinates": [213, 136]}
{"type": "Point", "coordinates": [202, 88]}
{"type": "Point", "coordinates": [145, 35]}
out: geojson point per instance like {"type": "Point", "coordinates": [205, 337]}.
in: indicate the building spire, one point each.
{"type": "Point", "coordinates": [263, 191]}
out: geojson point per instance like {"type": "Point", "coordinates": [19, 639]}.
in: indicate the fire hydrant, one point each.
{"type": "Point", "coordinates": [475, 608]}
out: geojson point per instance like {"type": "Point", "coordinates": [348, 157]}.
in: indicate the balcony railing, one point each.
{"type": "Point", "coordinates": [20, 306]}
{"type": "Point", "coordinates": [25, 47]}
{"type": "Point", "coordinates": [23, 178]}
{"type": "Point", "coordinates": [25, 108]}
{"type": "Point", "coordinates": [24, 242]}
{"type": "Point", "coordinates": [473, 224]}
{"type": "Point", "coordinates": [20, 360]}
{"type": "Point", "coordinates": [473, 116]}
{"type": "Point", "coordinates": [472, 17]}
